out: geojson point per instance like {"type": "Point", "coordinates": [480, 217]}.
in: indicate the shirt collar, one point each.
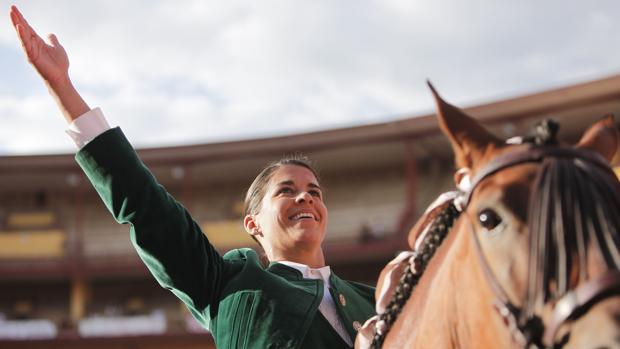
{"type": "Point", "coordinates": [310, 273]}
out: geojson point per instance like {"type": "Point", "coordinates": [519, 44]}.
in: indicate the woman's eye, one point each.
{"type": "Point", "coordinates": [285, 190]}
{"type": "Point", "coordinates": [315, 193]}
{"type": "Point", "coordinates": [489, 219]}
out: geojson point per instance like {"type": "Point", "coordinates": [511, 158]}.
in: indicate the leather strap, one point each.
{"type": "Point", "coordinates": [579, 300]}
{"type": "Point", "coordinates": [576, 301]}
{"type": "Point", "coordinates": [534, 154]}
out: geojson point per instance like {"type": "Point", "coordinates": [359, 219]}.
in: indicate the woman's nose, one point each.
{"type": "Point", "coordinates": [304, 196]}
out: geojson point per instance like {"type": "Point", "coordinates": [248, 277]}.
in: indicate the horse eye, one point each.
{"type": "Point", "coordinates": [489, 219]}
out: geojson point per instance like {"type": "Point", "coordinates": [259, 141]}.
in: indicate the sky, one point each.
{"type": "Point", "coordinates": [196, 71]}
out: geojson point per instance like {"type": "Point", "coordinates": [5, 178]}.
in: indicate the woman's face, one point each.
{"type": "Point", "coordinates": [292, 215]}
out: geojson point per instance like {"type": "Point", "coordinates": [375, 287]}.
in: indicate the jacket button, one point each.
{"type": "Point", "coordinates": [357, 325]}
{"type": "Point", "coordinates": [343, 301]}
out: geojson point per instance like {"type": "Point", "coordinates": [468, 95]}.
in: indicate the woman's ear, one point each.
{"type": "Point", "coordinates": [251, 226]}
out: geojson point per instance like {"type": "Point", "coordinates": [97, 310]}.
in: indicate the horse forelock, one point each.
{"type": "Point", "coordinates": [573, 223]}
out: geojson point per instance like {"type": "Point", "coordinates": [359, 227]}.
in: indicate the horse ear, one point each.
{"type": "Point", "coordinates": [468, 138]}
{"type": "Point", "coordinates": [602, 137]}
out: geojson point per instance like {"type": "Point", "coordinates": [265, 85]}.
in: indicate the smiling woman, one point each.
{"type": "Point", "coordinates": [285, 212]}
{"type": "Point", "coordinates": [294, 302]}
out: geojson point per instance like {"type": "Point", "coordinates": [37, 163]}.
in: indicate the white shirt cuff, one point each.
{"type": "Point", "coordinates": [87, 126]}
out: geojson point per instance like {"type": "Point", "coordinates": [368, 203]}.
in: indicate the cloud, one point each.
{"type": "Point", "coordinates": [197, 71]}
{"type": "Point", "coordinates": [31, 125]}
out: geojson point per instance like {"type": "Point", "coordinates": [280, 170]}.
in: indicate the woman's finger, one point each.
{"type": "Point", "coordinates": [33, 53]}
{"type": "Point", "coordinates": [54, 40]}
{"type": "Point", "coordinates": [18, 19]}
{"type": "Point", "coordinates": [28, 43]}
{"type": "Point", "coordinates": [18, 14]}
{"type": "Point", "coordinates": [13, 15]}
{"type": "Point", "coordinates": [23, 38]}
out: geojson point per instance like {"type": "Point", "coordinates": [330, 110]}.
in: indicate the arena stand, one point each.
{"type": "Point", "coordinates": [70, 277]}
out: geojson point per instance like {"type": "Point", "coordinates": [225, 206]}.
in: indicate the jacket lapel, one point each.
{"type": "Point", "coordinates": [353, 308]}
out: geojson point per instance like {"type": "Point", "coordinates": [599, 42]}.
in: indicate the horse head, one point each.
{"type": "Point", "coordinates": [533, 257]}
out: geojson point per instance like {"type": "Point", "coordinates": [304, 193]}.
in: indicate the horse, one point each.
{"type": "Point", "coordinates": [525, 254]}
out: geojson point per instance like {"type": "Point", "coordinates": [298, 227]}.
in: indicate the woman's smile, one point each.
{"type": "Point", "coordinates": [303, 216]}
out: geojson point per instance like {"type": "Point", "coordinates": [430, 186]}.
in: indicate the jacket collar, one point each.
{"type": "Point", "coordinates": [322, 273]}
{"type": "Point", "coordinates": [284, 271]}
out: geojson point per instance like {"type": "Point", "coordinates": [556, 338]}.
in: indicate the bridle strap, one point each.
{"type": "Point", "coordinates": [572, 304]}
{"type": "Point", "coordinates": [579, 300]}
{"type": "Point", "coordinates": [527, 331]}
{"type": "Point", "coordinates": [498, 290]}
{"type": "Point", "coordinates": [506, 309]}
{"type": "Point", "coordinates": [534, 154]}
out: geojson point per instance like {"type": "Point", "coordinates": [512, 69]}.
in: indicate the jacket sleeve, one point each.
{"type": "Point", "coordinates": [167, 239]}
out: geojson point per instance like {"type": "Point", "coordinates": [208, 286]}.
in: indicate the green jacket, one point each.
{"type": "Point", "coordinates": [243, 304]}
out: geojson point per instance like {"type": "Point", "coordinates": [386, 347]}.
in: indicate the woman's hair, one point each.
{"type": "Point", "coordinates": [256, 192]}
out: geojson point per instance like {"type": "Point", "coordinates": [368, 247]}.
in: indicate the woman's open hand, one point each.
{"type": "Point", "coordinates": [52, 63]}
{"type": "Point", "coordinates": [50, 60]}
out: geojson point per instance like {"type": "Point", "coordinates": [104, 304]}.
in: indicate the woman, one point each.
{"type": "Point", "coordinates": [295, 302]}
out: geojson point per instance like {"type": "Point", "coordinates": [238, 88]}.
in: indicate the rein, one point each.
{"type": "Point", "coordinates": [436, 232]}
{"type": "Point", "coordinates": [526, 328]}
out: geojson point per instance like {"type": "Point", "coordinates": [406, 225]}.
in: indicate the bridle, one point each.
{"type": "Point", "coordinates": [526, 328]}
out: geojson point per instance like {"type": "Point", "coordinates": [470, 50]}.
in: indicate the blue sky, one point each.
{"type": "Point", "coordinates": [184, 72]}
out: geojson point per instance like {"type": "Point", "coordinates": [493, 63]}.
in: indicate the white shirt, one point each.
{"type": "Point", "coordinates": [93, 123]}
{"type": "Point", "coordinates": [87, 126]}
{"type": "Point", "coordinates": [327, 306]}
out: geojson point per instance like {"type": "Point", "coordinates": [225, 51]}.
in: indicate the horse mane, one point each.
{"type": "Point", "coordinates": [574, 211]}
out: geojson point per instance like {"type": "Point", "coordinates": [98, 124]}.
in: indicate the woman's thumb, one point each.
{"type": "Point", "coordinates": [54, 40]}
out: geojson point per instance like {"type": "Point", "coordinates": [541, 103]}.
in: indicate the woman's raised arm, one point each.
{"type": "Point", "coordinates": [51, 62]}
